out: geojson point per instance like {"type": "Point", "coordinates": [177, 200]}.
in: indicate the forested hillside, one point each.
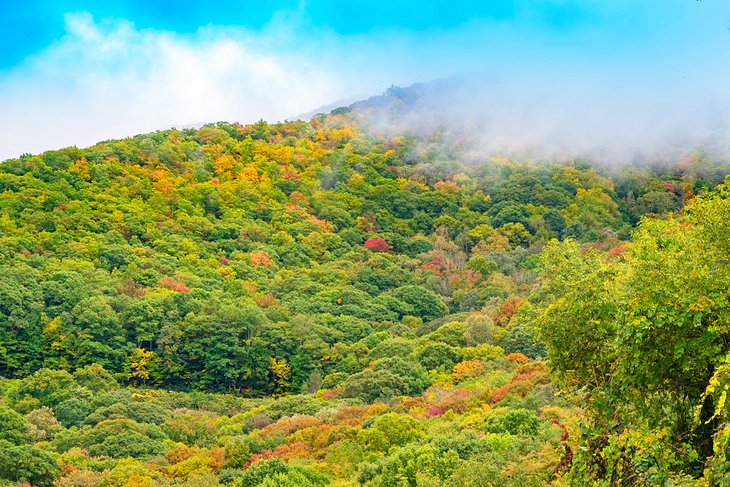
{"type": "Point", "coordinates": [311, 303]}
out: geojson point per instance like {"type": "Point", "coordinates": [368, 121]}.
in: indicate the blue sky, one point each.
{"type": "Point", "coordinates": [30, 25]}
{"type": "Point", "coordinates": [78, 71]}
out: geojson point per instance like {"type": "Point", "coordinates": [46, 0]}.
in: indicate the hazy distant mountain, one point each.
{"type": "Point", "coordinates": [538, 119]}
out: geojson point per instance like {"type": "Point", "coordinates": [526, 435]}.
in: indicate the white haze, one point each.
{"type": "Point", "coordinates": [613, 123]}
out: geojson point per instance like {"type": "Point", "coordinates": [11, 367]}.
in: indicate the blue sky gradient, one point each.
{"type": "Point", "coordinates": [29, 26]}
{"type": "Point", "coordinates": [77, 71]}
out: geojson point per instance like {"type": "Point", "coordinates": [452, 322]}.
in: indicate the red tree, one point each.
{"type": "Point", "coordinates": [376, 245]}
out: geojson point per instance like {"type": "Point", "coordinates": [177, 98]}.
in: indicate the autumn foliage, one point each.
{"type": "Point", "coordinates": [311, 303]}
{"type": "Point", "coordinates": [376, 245]}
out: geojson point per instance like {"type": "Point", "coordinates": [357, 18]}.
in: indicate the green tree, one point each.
{"type": "Point", "coordinates": [21, 303]}
{"type": "Point", "coordinates": [391, 429]}
{"type": "Point", "coordinates": [95, 378]}
{"type": "Point", "coordinates": [417, 465]}
{"type": "Point", "coordinates": [512, 421]}
{"type": "Point", "coordinates": [372, 385]}
{"type": "Point", "coordinates": [120, 438]}
{"type": "Point", "coordinates": [13, 429]}
{"type": "Point", "coordinates": [413, 378]}
{"type": "Point", "coordinates": [437, 356]}
{"type": "Point", "coordinates": [27, 464]}
{"type": "Point", "coordinates": [426, 304]}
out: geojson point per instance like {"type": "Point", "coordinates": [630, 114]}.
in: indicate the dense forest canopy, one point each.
{"type": "Point", "coordinates": [310, 303]}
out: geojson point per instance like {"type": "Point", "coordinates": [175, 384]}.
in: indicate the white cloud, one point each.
{"type": "Point", "coordinates": [107, 79]}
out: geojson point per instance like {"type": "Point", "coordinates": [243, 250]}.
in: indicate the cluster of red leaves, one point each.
{"type": "Point", "coordinates": [437, 264]}
{"type": "Point", "coordinates": [434, 411]}
{"type": "Point", "coordinates": [376, 245]}
{"type": "Point", "coordinates": [616, 251]}
{"type": "Point", "coordinates": [523, 380]}
{"type": "Point", "coordinates": [283, 452]}
{"type": "Point", "coordinates": [453, 399]}
{"type": "Point", "coordinates": [173, 285]}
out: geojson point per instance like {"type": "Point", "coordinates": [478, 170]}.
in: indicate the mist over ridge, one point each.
{"type": "Point", "coordinates": [487, 116]}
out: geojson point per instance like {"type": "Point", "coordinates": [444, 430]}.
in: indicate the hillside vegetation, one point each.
{"type": "Point", "coordinates": [309, 304]}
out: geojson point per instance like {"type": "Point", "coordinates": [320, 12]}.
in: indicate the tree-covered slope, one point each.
{"type": "Point", "coordinates": [302, 304]}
